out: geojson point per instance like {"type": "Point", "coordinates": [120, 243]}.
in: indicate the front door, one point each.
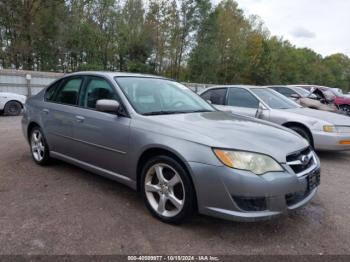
{"type": "Point", "coordinates": [103, 138]}
{"type": "Point", "coordinates": [241, 101]}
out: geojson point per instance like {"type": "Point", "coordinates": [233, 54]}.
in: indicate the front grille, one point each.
{"type": "Point", "coordinates": [302, 162]}
{"type": "Point", "coordinates": [251, 203]}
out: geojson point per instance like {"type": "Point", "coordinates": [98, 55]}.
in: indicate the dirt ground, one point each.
{"type": "Point", "coordinates": [62, 209]}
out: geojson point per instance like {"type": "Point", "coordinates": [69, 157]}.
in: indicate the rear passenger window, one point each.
{"type": "Point", "coordinates": [215, 96]}
{"type": "Point", "coordinates": [68, 93]}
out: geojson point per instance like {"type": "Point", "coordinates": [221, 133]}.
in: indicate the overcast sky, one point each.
{"type": "Point", "coordinates": [323, 25]}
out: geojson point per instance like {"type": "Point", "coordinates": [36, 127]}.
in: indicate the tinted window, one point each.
{"type": "Point", "coordinates": [274, 99]}
{"type": "Point", "coordinates": [51, 90]}
{"type": "Point", "coordinates": [215, 96]}
{"type": "Point", "coordinates": [160, 96]}
{"type": "Point", "coordinates": [303, 92]}
{"type": "Point", "coordinates": [68, 93]}
{"type": "Point", "coordinates": [285, 91]}
{"type": "Point", "coordinates": [242, 98]}
{"type": "Point", "coordinates": [96, 89]}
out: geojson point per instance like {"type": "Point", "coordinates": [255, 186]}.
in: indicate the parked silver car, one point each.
{"type": "Point", "coordinates": [158, 137]}
{"type": "Point", "coordinates": [323, 130]}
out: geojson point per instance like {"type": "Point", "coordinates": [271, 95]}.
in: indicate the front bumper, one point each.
{"type": "Point", "coordinates": [242, 196]}
{"type": "Point", "coordinates": [330, 141]}
{"type": "Point", "coordinates": [24, 124]}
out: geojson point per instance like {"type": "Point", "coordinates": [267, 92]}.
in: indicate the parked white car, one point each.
{"type": "Point", "coordinates": [11, 104]}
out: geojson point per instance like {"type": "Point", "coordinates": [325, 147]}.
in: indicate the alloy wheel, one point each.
{"type": "Point", "coordinates": [164, 190]}
{"type": "Point", "coordinates": [37, 145]}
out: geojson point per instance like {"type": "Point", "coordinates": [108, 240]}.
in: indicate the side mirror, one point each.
{"type": "Point", "coordinates": [260, 110]}
{"type": "Point", "coordinates": [296, 96]}
{"type": "Point", "coordinates": [107, 106]}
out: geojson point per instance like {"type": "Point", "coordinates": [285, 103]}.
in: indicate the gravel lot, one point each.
{"type": "Point", "coordinates": [62, 209]}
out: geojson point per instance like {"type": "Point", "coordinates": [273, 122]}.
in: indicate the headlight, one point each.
{"type": "Point", "coordinates": [256, 163]}
{"type": "Point", "coordinates": [336, 129]}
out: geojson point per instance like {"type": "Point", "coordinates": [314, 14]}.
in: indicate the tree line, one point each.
{"type": "Point", "coordinates": [188, 40]}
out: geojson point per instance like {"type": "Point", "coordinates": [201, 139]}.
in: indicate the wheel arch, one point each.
{"type": "Point", "coordinates": [30, 127]}
{"type": "Point", "coordinates": [14, 100]}
{"type": "Point", "coordinates": [300, 125]}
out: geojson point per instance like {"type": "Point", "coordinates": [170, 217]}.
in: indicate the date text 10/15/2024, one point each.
{"type": "Point", "coordinates": [173, 258]}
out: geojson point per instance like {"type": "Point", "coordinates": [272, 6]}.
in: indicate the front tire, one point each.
{"type": "Point", "coordinates": [13, 108]}
{"type": "Point", "coordinates": [167, 190]}
{"type": "Point", "coordinates": [38, 147]}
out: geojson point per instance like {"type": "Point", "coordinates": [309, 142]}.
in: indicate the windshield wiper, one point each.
{"type": "Point", "coordinates": [164, 112]}
{"type": "Point", "coordinates": [155, 113]}
{"type": "Point", "coordinates": [198, 111]}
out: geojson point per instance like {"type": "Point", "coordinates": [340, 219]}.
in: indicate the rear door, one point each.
{"type": "Point", "coordinates": [103, 138]}
{"type": "Point", "coordinates": [241, 101]}
{"type": "Point", "coordinates": [58, 114]}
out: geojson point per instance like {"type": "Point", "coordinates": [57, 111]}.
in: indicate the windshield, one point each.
{"type": "Point", "coordinates": [273, 99]}
{"type": "Point", "coordinates": [301, 91]}
{"type": "Point", "coordinates": [154, 96]}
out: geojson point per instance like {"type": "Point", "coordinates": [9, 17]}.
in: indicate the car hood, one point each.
{"type": "Point", "coordinates": [227, 130]}
{"type": "Point", "coordinates": [332, 118]}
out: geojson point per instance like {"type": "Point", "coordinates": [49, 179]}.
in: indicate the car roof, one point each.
{"type": "Point", "coordinates": [113, 74]}
{"type": "Point", "coordinates": [236, 86]}
{"type": "Point", "coordinates": [316, 86]}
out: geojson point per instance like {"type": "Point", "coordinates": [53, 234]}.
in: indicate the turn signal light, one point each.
{"type": "Point", "coordinates": [344, 142]}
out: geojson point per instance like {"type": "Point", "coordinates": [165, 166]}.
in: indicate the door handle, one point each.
{"type": "Point", "coordinates": [46, 111]}
{"type": "Point", "coordinates": [80, 119]}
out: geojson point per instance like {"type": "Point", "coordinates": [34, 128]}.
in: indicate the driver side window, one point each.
{"type": "Point", "coordinates": [242, 98]}
{"type": "Point", "coordinates": [286, 91]}
{"type": "Point", "coordinates": [96, 89]}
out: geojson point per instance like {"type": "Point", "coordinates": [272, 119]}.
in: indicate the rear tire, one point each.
{"type": "Point", "coordinates": [13, 108]}
{"type": "Point", "coordinates": [39, 147]}
{"type": "Point", "coordinates": [167, 189]}
{"type": "Point", "coordinates": [304, 133]}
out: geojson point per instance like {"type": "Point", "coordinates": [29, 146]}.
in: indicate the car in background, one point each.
{"type": "Point", "coordinates": [304, 98]}
{"type": "Point", "coordinates": [11, 104]}
{"type": "Point", "coordinates": [323, 130]}
{"type": "Point", "coordinates": [338, 90]}
{"type": "Point", "coordinates": [160, 138]}
{"type": "Point", "coordinates": [332, 95]}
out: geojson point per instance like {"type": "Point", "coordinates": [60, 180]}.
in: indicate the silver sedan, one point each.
{"type": "Point", "coordinates": [323, 130]}
{"type": "Point", "coordinates": [158, 137]}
